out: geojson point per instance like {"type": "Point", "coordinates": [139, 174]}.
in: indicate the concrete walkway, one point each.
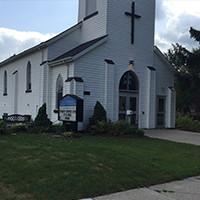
{"type": "Point", "coordinates": [187, 189]}
{"type": "Point", "coordinates": [174, 135]}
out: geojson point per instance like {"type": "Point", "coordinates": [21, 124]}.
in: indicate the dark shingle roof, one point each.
{"type": "Point", "coordinates": [78, 49]}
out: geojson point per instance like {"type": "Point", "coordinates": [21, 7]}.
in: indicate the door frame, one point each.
{"type": "Point", "coordinates": [129, 95]}
{"type": "Point", "coordinates": [161, 112]}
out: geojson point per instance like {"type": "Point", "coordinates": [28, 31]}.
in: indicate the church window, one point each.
{"type": "Point", "coordinates": [91, 7]}
{"type": "Point", "coordinates": [129, 82]}
{"type": "Point", "coordinates": [59, 89]}
{"type": "Point", "coordinates": [5, 84]}
{"type": "Point", "coordinates": [28, 77]}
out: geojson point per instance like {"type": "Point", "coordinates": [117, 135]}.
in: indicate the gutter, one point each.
{"type": "Point", "coordinates": [62, 61]}
{"type": "Point", "coordinates": [24, 53]}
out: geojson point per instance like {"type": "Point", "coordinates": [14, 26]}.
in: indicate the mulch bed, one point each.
{"type": "Point", "coordinates": [121, 136]}
{"type": "Point", "coordinates": [79, 135]}
{"type": "Point", "coordinates": [74, 136]}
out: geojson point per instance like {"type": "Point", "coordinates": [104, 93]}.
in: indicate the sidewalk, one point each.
{"type": "Point", "coordinates": [187, 189]}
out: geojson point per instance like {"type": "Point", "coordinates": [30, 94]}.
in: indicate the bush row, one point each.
{"type": "Point", "coordinates": [120, 127]}
{"type": "Point", "coordinates": [98, 123]}
{"type": "Point", "coordinates": [187, 123]}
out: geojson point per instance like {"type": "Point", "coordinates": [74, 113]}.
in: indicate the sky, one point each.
{"type": "Point", "coordinates": [26, 23]}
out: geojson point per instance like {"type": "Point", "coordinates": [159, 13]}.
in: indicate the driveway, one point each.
{"type": "Point", "coordinates": [174, 135]}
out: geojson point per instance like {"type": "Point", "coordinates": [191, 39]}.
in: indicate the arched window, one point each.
{"type": "Point", "coordinates": [129, 82]}
{"type": "Point", "coordinates": [59, 89]}
{"type": "Point", "coordinates": [28, 77]}
{"type": "Point", "coordinates": [5, 90]}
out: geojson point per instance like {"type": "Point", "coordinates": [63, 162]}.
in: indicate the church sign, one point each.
{"type": "Point", "coordinates": [70, 109]}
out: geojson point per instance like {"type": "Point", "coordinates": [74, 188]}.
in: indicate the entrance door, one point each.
{"type": "Point", "coordinates": [160, 112]}
{"type": "Point", "coordinates": [128, 102]}
{"type": "Point", "coordinates": [128, 97]}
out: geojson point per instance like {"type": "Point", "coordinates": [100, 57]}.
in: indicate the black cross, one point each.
{"type": "Point", "coordinates": [133, 16]}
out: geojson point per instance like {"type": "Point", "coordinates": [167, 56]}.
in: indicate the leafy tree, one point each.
{"type": "Point", "coordinates": [187, 78]}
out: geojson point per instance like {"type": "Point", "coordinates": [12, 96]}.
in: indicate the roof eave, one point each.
{"type": "Point", "coordinates": [61, 61]}
{"type": "Point", "coordinates": [164, 59]}
{"type": "Point", "coordinates": [41, 45]}
{"type": "Point", "coordinates": [24, 53]}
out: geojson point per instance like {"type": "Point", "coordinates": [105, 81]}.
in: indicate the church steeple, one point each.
{"type": "Point", "coordinates": [86, 8]}
{"type": "Point", "coordinates": [93, 14]}
{"type": "Point", "coordinates": [129, 21]}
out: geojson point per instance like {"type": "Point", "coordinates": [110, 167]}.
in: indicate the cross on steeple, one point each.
{"type": "Point", "coordinates": [133, 16]}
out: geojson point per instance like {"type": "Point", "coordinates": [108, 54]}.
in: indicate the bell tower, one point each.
{"type": "Point", "coordinates": [93, 14]}
{"type": "Point", "coordinates": [129, 20]}
{"type": "Point", "coordinates": [86, 8]}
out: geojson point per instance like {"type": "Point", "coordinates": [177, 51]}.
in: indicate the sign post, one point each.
{"type": "Point", "coordinates": [71, 111]}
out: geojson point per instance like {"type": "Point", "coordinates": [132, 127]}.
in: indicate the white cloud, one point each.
{"type": "Point", "coordinates": [14, 42]}
{"type": "Point", "coordinates": [179, 6]}
{"type": "Point", "coordinates": [180, 16]}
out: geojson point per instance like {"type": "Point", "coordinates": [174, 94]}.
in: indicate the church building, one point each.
{"type": "Point", "coordinates": [108, 56]}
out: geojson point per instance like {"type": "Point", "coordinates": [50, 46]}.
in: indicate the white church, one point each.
{"type": "Point", "coordinates": [108, 56]}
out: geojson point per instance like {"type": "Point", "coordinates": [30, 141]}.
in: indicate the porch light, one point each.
{"type": "Point", "coordinates": [131, 63]}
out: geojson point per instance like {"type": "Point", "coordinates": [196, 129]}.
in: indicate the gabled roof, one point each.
{"type": "Point", "coordinates": [41, 45]}
{"type": "Point", "coordinates": [79, 50]}
{"type": "Point", "coordinates": [163, 58]}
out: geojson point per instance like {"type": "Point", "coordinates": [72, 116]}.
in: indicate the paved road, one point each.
{"type": "Point", "coordinates": [187, 189]}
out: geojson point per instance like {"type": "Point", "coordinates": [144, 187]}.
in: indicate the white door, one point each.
{"type": "Point", "coordinates": [128, 102]}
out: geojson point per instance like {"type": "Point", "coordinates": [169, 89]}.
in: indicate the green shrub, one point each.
{"type": "Point", "coordinates": [58, 128]}
{"type": "Point", "coordinates": [139, 132]}
{"type": "Point", "coordinates": [18, 129]}
{"type": "Point", "coordinates": [122, 127]}
{"type": "Point", "coordinates": [44, 129]}
{"type": "Point", "coordinates": [103, 127]}
{"type": "Point", "coordinates": [195, 126]}
{"type": "Point", "coordinates": [33, 130]}
{"type": "Point", "coordinates": [2, 127]}
{"type": "Point", "coordinates": [98, 115]}
{"type": "Point", "coordinates": [68, 134]}
{"type": "Point", "coordinates": [42, 121]}
{"type": "Point", "coordinates": [184, 121]}
{"type": "Point", "coordinates": [187, 123]}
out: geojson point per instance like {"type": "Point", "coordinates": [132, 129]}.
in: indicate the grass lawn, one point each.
{"type": "Point", "coordinates": [42, 167]}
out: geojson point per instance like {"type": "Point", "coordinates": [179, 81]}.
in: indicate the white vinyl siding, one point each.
{"type": "Point", "coordinates": [65, 71]}
{"type": "Point", "coordinates": [27, 103]}
{"type": "Point", "coordinates": [91, 6]}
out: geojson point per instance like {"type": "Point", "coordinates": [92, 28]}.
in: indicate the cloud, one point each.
{"type": "Point", "coordinates": [173, 22]}
{"type": "Point", "coordinates": [14, 42]}
{"type": "Point", "coordinates": [177, 31]}
{"type": "Point", "coordinates": [161, 11]}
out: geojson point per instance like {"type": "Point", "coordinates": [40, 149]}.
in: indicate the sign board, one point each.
{"type": "Point", "coordinates": [70, 109]}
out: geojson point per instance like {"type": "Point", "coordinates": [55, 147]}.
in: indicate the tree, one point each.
{"type": "Point", "coordinates": [187, 78]}
{"type": "Point", "coordinates": [195, 34]}
{"type": "Point", "coordinates": [41, 118]}
{"type": "Point", "coordinates": [98, 115]}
